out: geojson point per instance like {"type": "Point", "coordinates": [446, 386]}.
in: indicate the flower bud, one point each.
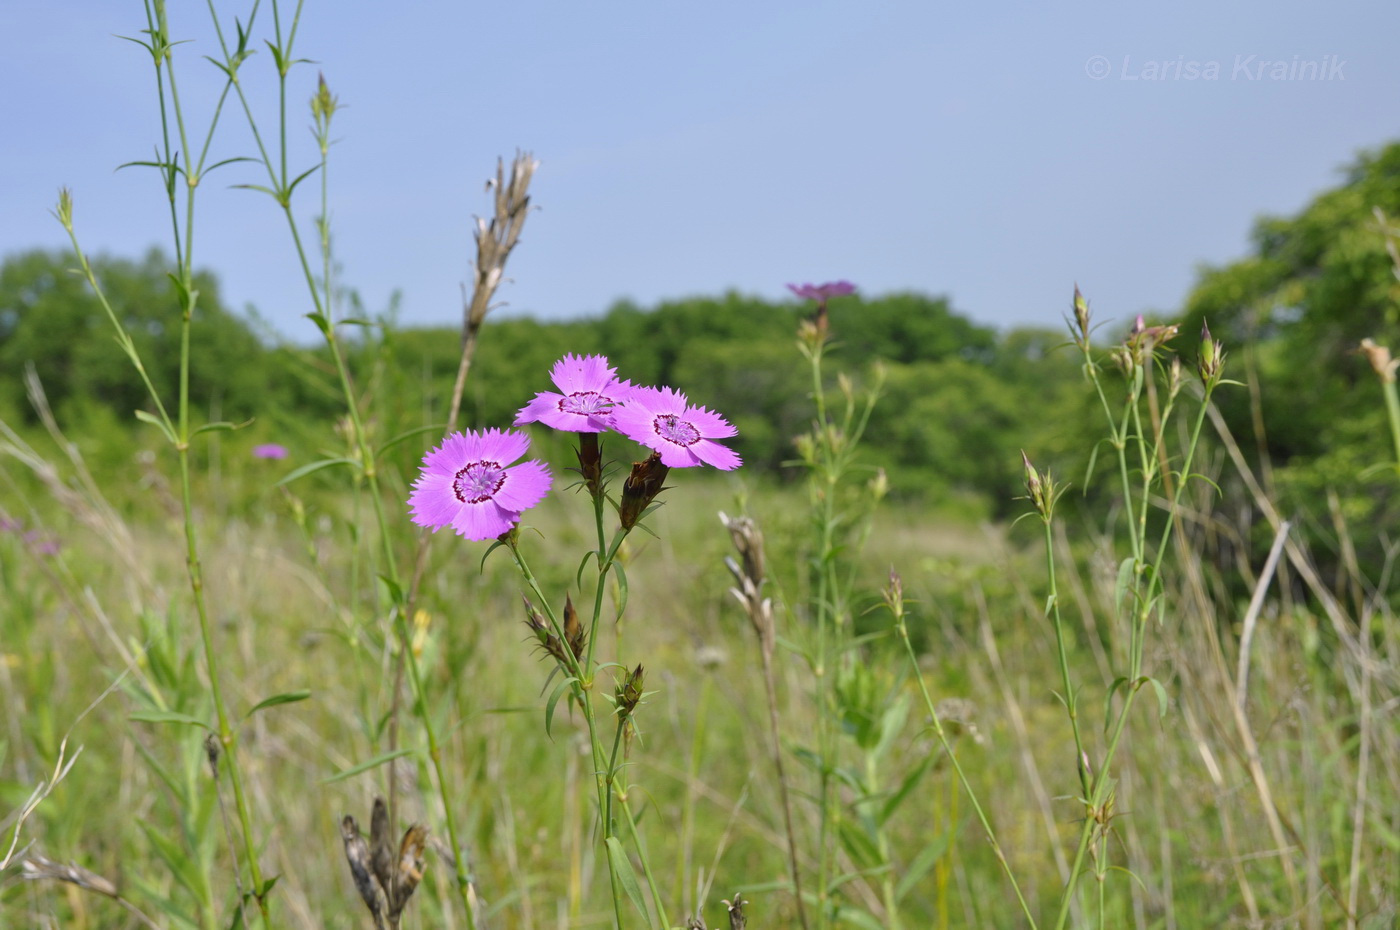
{"type": "Point", "coordinates": [590, 462]}
{"type": "Point", "coordinates": [1211, 363]}
{"type": "Point", "coordinates": [629, 692]}
{"type": "Point", "coordinates": [64, 211]}
{"type": "Point", "coordinates": [1081, 317]}
{"type": "Point", "coordinates": [640, 489]}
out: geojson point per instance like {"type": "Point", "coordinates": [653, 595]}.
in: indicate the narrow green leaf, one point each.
{"type": "Point", "coordinates": [578, 574]}
{"type": "Point", "coordinates": [554, 697]}
{"type": "Point", "coordinates": [290, 697]}
{"type": "Point", "coordinates": [392, 588]}
{"type": "Point", "coordinates": [261, 189]}
{"type": "Point", "coordinates": [179, 917]}
{"type": "Point", "coordinates": [906, 786]}
{"type": "Point", "coordinates": [892, 724]}
{"type": "Point", "coordinates": [430, 428]}
{"type": "Point", "coordinates": [859, 845]}
{"type": "Point", "coordinates": [366, 765]}
{"type": "Point", "coordinates": [157, 422]}
{"type": "Point", "coordinates": [1118, 682]}
{"type": "Point", "coordinates": [1120, 587]}
{"type": "Point", "coordinates": [622, 868]}
{"type": "Point", "coordinates": [622, 588]}
{"type": "Point", "coordinates": [222, 426]}
{"type": "Point", "coordinates": [316, 466]}
{"type": "Point", "coordinates": [858, 918]}
{"type": "Point", "coordinates": [914, 872]}
{"type": "Point", "coordinates": [228, 161]}
{"type": "Point", "coordinates": [182, 866]}
{"type": "Point", "coordinates": [1163, 702]}
{"type": "Point", "coordinates": [168, 716]}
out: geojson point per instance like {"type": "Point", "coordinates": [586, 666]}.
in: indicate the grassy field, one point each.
{"type": "Point", "coordinates": [1160, 699]}
{"type": "Point", "coordinates": [1267, 805]}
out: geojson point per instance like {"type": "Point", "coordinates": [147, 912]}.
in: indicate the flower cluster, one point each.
{"type": "Point", "coordinates": [468, 481]}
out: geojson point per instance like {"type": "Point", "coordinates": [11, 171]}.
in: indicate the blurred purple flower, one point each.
{"type": "Point", "coordinates": [590, 389]}
{"type": "Point", "coordinates": [270, 450]}
{"type": "Point", "coordinates": [10, 525]}
{"type": "Point", "coordinates": [465, 483]}
{"type": "Point", "coordinates": [821, 293]}
{"type": "Point", "coordinates": [664, 420]}
{"type": "Point", "coordinates": [40, 544]}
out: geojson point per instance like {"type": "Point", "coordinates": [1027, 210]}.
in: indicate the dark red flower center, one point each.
{"type": "Point", "coordinates": [673, 429]}
{"type": "Point", "coordinates": [584, 403]}
{"type": "Point", "coordinates": [478, 481]}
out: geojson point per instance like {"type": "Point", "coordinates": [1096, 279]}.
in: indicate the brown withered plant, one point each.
{"type": "Point", "coordinates": [384, 877]}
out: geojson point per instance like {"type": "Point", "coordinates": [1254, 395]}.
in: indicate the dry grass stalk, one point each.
{"type": "Point", "coordinates": [749, 579]}
{"type": "Point", "coordinates": [494, 241]}
{"type": "Point", "coordinates": [36, 867]}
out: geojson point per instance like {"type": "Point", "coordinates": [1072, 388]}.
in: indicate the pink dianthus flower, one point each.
{"type": "Point", "coordinates": [468, 483]}
{"type": "Point", "coordinates": [664, 419]}
{"type": "Point", "coordinates": [588, 390]}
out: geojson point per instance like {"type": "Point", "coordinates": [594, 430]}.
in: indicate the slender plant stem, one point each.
{"type": "Point", "coordinates": [583, 693]}
{"type": "Point", "coordinates": [947, 745]}
{"type": "Point", "coordinates": [1142, 612]}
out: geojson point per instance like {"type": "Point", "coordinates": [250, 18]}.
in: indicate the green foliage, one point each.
{"type": "Point", "coordinates": [1292, 315]}
{"type": "Point", "coordinates": [50, 319]}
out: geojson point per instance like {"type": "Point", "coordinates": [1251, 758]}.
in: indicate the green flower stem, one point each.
{"type": "Point", "coordinates": [583, 692]}
{"type": "Point", "coordinates": [463, 879]}
{"type": "Point", "coordinates": [824, 489]}
{"type": "Point", "coordinates": [1070, 697]}
{"type": "Point", "coordinates": [1136, 682]}
{"type": "Point", "coordinates": [646, 864]}
{"type": "Point", "coordinates": [179, 432]}
{"type": "Point", "coordinates": [282, 191]}
{"type": "Point", "coordinates": [882, 846]}
{"type": "Point", "coordinates": [1392, 409]}
{"type": "Point", "coordinates": [942, 735]}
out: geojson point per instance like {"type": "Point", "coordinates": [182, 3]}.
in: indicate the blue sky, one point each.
{"type": "Point", "coordinates": [995, 153]}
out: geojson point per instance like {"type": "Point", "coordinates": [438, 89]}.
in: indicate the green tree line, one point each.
{"type": "Point", "coordinates": [960, 399]}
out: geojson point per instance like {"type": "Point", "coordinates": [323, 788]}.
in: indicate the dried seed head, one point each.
{"type": "Point", "coordinates": [1379, 357]}
{"type": "Point", "coordinates": [959, 715]}
{"type": "Point", "coordinates": [357, 854]}
{"type": "Point", "coordinates": [410, 868]}
{"type": "Point", "coordinates": [696, 923]}
{"type": "Point", "coordinates": [640, 489]}
{"type": "Point", "coordinates": [35, 867]}
{"type": "Point", "coordinates": [381, 849]}
{"type": "Point", "coordinates": [737, 921]}
{"type": "Point", "coordinates": [212, 748]}
{"type": "Point", "coordinates": [748, 540]}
